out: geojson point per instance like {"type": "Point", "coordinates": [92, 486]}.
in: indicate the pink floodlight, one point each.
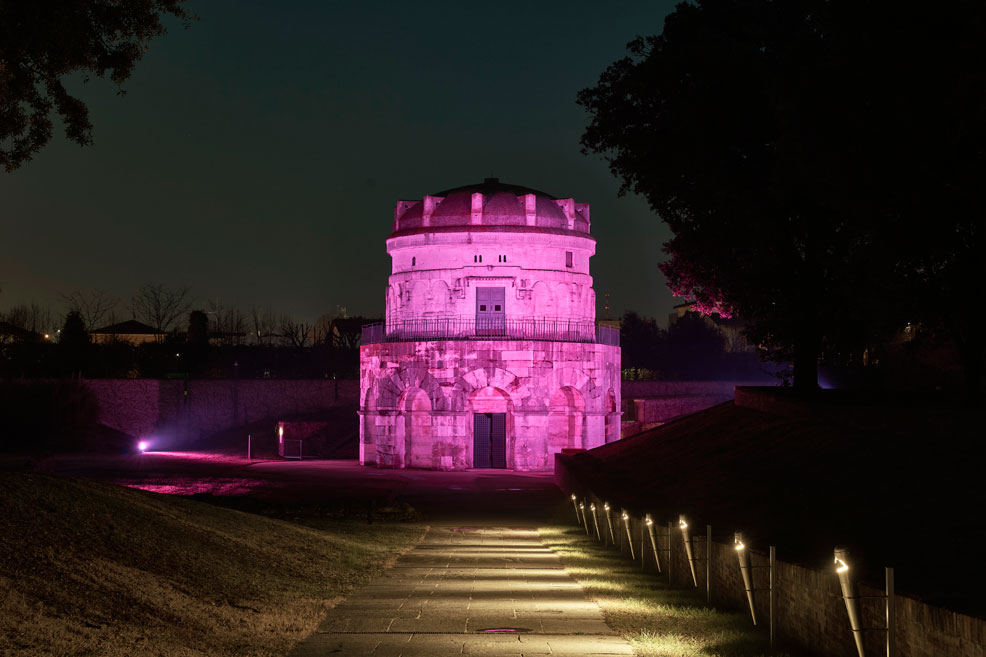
{"type": "Point", "coordinates": [143, 445]}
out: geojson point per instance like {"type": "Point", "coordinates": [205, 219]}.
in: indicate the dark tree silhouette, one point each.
{"type": "Point", "coordinates": [160, 306]}
{"type": "Point", "coordinates": [198, 328]}
{"type": "Point", "coordinates": [640, 339]}
{"type": "Point", "coordinates": [42, 42]}
{"type": "Point", "coordinates": [816, 160]}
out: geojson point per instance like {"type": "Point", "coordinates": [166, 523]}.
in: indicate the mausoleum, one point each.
{"type": "Point", "coordinates": [490, 356]}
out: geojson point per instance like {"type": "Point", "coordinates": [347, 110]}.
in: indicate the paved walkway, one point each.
{"type": "Point", "coordinates": [468, 590]}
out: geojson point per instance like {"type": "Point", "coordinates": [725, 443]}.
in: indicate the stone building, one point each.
{"type": "Point", "coordinates": [490, 356]}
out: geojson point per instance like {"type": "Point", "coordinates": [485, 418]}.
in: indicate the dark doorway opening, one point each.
{"type": "Point", "coordinates": [489, 442]}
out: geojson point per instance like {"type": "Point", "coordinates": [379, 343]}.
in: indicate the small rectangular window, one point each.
{"type": "Point", "coordinates": [496, 307]}
{"type": "Point", "coordinates": [414, 261]}
{"type": "Point", "coordinates": [480, 258]}
{"type": "Point", "coordinates": [482, 307]}
{"type": "Point", "coordinates": [568, 258]}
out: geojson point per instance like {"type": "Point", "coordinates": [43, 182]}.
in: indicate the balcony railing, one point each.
{"type": "Point", "coordinates": [459, 328]}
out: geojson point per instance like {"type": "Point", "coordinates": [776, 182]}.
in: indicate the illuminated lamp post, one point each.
{"type": "Point", "coordinates": [575, 504]}
{"type": "Point", "coordinates": [609, 522]}
{"type": "Point", "coordinates": [626, 525]}
{"type": "Point", "coordinates": [585, 520]}
{"type": "Point", "coordinates": [851, 595]}
{"type": "Point", "coordinates": [745, 569]}
{"type": "Point", "coordinates": [653, 540]}
{"type": "Point", "coordinates": [686, 537]}
{"type": "Point", "coordinates": [595, 521]}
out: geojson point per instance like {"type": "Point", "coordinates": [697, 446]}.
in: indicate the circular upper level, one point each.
{"type": "Point", "coordinates": [491, 205]}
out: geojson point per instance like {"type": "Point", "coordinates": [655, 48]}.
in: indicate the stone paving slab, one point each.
{"type": "Point", "coordinates": [450, 595]}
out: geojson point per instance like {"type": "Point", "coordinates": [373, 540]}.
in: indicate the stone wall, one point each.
{"type": "Point", "coordinates": [809, 604]}
{"type": "Point", "coordinates": [418, 400]}
{"type": "Point", "coordinates": [196, 408]}
{"type": "Point", "coordinates": [647, 404]}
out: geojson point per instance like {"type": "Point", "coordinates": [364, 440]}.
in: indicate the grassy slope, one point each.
{"type": "Point", "coordinates": [656, 620]}
{"type": "Point", "coordinates": [95, 569]}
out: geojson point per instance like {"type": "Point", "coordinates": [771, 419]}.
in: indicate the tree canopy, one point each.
{"type": "Point", "coordinates": [816, 160]}
{"type": "Point", "coordinates": [43, 42]}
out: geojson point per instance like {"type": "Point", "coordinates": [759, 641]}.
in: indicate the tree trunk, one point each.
{"type": "Point", "coordinates": [806, 349]}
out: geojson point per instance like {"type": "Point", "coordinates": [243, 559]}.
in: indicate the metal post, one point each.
{"type": "Point", "coordinates": [773, 596]}
{"type": "Point", "coordinates": [575, 504]}
{"type": "Point", "coordinates": [643, 560]}
{"type": "Point", "coordinates": [249, 448]}
{"type": "Point", "coordinates": [585, 518]}
{"type": "Point", "coordinates": [891, 613]}
{"type": "Point", "coordinates": [708, 564]}
{"type": "Point", "coordinates": [670, 560]}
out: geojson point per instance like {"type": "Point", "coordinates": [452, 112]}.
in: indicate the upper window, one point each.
{"type": "Point", "coordinates": [568, 258]}
{"type": "Point", "coordinates": [414, 260]}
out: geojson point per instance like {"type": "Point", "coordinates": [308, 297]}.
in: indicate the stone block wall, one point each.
{"type": "Point", "coordinates": [196, 408]}
{"type": "Point", "coordinates": [418, 400]}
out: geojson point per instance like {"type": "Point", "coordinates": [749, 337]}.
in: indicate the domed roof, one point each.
{"type": "Point", "coordinates": [491, 203]}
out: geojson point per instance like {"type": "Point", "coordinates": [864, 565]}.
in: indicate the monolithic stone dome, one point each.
{"type": "Point", "coordinates": [491, 203]}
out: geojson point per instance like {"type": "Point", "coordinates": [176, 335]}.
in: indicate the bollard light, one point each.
{"type": "Point", "coordinates": [686, 537]}
{"type": "Point", "coordinates": [595, 521]}
{"type": "Point", "coordinates": [653, 540]}
{"type": "Point", "coordinates": [626, 525]}
{"type": "Point", "coordinates": [850, 595]}
{"type": "Point", "coordinates": [575, 504]}
{"type": "Point", "coordinates": [744, 563]}
{"type": "Point", "coordinates": [585, 520]}
{"type": "Point", "coordinates": [609, 522]}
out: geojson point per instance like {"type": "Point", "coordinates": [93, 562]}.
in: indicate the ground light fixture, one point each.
{"type": "Point", "coordinates": [686, 537]}
{"type": "Point", "coordinates": [626, 524]}
{"type": "Point", "coordinates": [609, 522]}
{"type": "Point", "coordinates": [585, 520]}
{"type": "Point", "coordinates": [851, 595]}
{"type": "Point", "coordinates": [595, 521]}
{"type": "Point", "coordinates": [743, 554]}
{"type": "Point", "coordinates": [142, 446]}
{"type": "Point", "coordinates": [653, 540]}
{"type": "Point", "coordinates": [575, 504]}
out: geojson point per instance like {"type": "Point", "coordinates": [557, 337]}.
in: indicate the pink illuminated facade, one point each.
{"type": "Point", "coordinates": [490, 356]}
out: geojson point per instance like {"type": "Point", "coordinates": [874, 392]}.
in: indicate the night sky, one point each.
{"type": "Point", "coordinates": [257, 156]}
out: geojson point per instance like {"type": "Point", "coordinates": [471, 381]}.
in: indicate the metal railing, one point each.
{"type": "Point", "coordinates": [463, 328]}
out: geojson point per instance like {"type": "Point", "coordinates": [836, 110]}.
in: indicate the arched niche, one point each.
{"type": "Point", "coordinates": [414, 431]}
{"type": "Point", "coordinates": [566, 420]}
{"type": "Point", "coordinates": [612, 417]}
{"type": "Point", "coordinates": [493, 401]}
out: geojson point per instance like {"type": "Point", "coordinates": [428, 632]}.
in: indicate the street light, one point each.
{"type": "Point", "coordinates": [653, 540]}
{"type": "Point", "coordinates": [609, 522]}
{"type": "Point", "coordinates": [626, 525]}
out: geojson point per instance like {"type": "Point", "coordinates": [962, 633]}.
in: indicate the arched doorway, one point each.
{"type": "Point", "coordinates": [566, 420]}
{"type": "Point", "coordinates": [612, 418]}
{"type": "Point", "coordinates": [490, 416]}
{"type": "Point", "coordinates": [415, 425]}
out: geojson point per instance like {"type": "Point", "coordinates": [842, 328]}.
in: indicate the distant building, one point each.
{"type": "Point", "coordinates": [130, 331]}
{"type": "Point", "coordinates": [12, 333]}
{"type": "Point", "coordinates": [489, 356]}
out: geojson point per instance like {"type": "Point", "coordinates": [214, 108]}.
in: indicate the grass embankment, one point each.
{"type": "Point", "coordinates": [656, 620]}
{"type": "Point", "coordinates": [95, 569]}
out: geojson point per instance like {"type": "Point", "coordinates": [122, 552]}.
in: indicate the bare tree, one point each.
{"type": "Point", "coordinates": [295, 334]}
{"type": "Point", "coordinates": [265, 325]}
{"type": "Point", "coordinates": [226, 323]}
{"type": "Point", "coordinates": [30, 317]}
{"type": "Point", "coordinates": [160, 306]}
{"type": "Point", "coordinates": [94, 306]}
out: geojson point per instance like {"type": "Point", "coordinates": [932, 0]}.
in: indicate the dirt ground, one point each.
{"type": "Point", "coordinates": [468, 496]}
